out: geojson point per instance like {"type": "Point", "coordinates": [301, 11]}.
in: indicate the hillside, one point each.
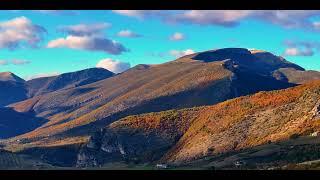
{"type": "Point", "coordinates": [14, 89]}
{"type": "Point", "coordinates": [11, 92]}
{"type": "Point", "coordinates": [181, 136]}
{"type": "Point", "coordinates": [204, 78]}
{"type": "Point", "coordinates": [14, 123]}
{"type": "Point", "coordinates": [12, 161]}
{"type": "Point", "coordinates": [8, 76]}
{"type": "Point", "coordinates": [44, 85]}
{"type": "Point", "coordinates": [296, 76]}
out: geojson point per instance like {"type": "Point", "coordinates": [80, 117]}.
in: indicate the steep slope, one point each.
{"type": "Point", "coordinates": [12, 89]}
{"type": "Point", "coordinates": [180, 136]}
{"type": "Point", "coordinates": [13, 123]}
{"type": "Point", "coordinates": [204, 78]}
{"type": "Point", "coordinates": [296, 76]}
{"type": "Point", "coordinates": [44, 85]}
{"type": "Point", "coordinates": [8, 76]}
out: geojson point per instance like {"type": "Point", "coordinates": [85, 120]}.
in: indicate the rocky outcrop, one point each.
{"type": "Point", "coordinates": [315, 112]}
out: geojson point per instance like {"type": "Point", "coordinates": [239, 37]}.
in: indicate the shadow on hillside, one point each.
{"type": "Point", "coordinates": [13, 123]}
{"type": "Point", "coordinates": [269, 155]}
{"type": "Point", "coordinates": [62, 156]}
{"type": "Point", "coordinates": [11, 92]}
{"type": "Point", "coordinates": [246, 83]}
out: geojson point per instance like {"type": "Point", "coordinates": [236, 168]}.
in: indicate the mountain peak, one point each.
{"type": "Point", "coordinates": [9, 76]}
{"type": "Point", "coordinates": [257, 60]}
{"type": "Point", "coordinates": [253, 51]}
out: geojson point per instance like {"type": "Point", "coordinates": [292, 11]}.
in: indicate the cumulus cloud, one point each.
{"type": "Point", "coordinates": [210, 17]}
{"type": "Point", "coordinates": [298, 52]}
{"type": "Point", "coordinates": [231, 18]}
{"type": "Point", "coordinates": [85, 29]}
{"type": "Point", "coordinates": [3, 62]}
{"type": "Point", "coordinates": [284, 18]}
{"type": "Point", "coordinates": [301, 48]}
{"type": "Point", "coordinates": [177, 37]}
{"type": "Point", "coordinates": [40, 75]}
{"type": "Point", "coordinates": [178, 53]}
{"type": "Point", "coordinates": [113, 65]}
{"type": "Point", "coordinates": [90, 43]}
{"type": "Point", "coordinates": [19, 31]}
{"type": "Point", "coordinates": [128, 33]}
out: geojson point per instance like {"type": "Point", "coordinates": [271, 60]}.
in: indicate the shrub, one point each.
{"type": "Point", "coordinates": [294, 136]}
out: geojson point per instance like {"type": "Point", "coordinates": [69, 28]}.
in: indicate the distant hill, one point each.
{"type": "Point", "coordinates": [44, 85]}
{"type": "Point", "coordinates": [8, 76]}
{"type": "Point", "coordinates": [180, 136]}
{"type": "Point", "coordinates": [204, 78]}
{"type": "Point", "coordinates": [296, 76]}
{"type": "Point", "coordinates": [14, 89]}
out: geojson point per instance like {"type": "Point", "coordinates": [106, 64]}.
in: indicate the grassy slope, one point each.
{"type": "Point", "coordinates": [233, 125]}
{"type": "Point", "coordinates": [117, 95]}
{"type": "Point", "coordinates": [249, 121]}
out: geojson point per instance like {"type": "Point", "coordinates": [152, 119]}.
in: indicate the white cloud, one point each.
{"type": "Point", "coordinates": [293, 51]}
{"type": "Point", "coordinates": [206, 17]}
{"type": "Point", "coordinates": [40, 75]}
{"type": "Point", "coordinates": [178, 53]}
{"type": "Point", "coordinates": [113, 65]}
{"type": "Point", "coordinates": [3, 62]}
{"type": "Point", "coordinates": [177, 37]}
{"type": "Point", "coordinates": [20, 62]}
{"type": "Point", "coordinates": [230, 18]}
{"type": "Point", "coordinates": [88, 43]}
{"type": "Point", "coordinates": [85, 29]}
{"type": "Point", "coordinates": [301, 48]}
{"type": "Point", "coordinates": [139, 13]}
{"type": "Point", "coordinates": [19, 31]}
{"type": "Point", "coordinates": [128, 33]}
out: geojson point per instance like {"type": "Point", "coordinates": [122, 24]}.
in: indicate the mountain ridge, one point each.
{"type": "Point", "coordinates": [182, 83]}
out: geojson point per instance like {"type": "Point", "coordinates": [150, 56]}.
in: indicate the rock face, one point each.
{"type": "Point", "coordinates": [102, 147]}
{"type": "Point", "coordinates": [137, 139]}
{"type": "Point", "coordinates": [316, 111]}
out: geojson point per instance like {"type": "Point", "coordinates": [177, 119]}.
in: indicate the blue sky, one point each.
{"type": "Point", "coordinates": [39, 45]}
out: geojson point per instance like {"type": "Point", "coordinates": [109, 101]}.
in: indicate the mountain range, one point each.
{"type": "Point", "coordinates": [200, 105]}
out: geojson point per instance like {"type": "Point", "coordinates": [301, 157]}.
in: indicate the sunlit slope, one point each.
{"type": "Point", "coordinates": [204, 78]}
{"type": "Point", "coordinates": [180, 136]}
